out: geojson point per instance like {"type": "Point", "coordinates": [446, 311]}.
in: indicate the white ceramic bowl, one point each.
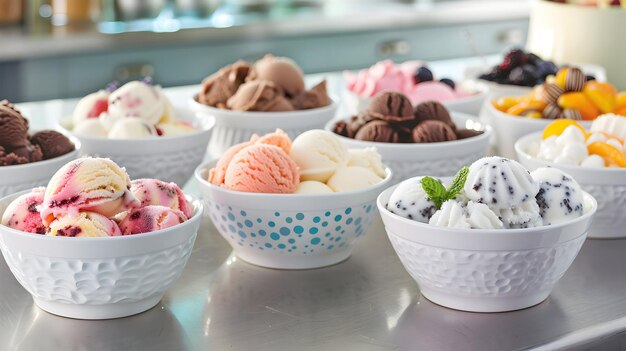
{"type": "Point", "coordinates": [290, 231]}
{"type": "Point", "coordinates": [171, 159]}
{"type": "Point", "coordinates": [607, 185]}
{"type": "Point", "coordinates": [98, 278]}
{"type": "Point", "coordinates": [437, 159]}
{"type": "Point", "coordinates": [30, 175]}
{"type": "Point", "coordinates": [234, 127]}
{"type": "Point", "coordinates": [509, 128]}
{"type": "Point", "coordinates": [493, 270]}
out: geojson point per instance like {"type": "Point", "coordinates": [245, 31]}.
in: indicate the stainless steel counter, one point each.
{"type": "Point", "coordinates": [365, 303]}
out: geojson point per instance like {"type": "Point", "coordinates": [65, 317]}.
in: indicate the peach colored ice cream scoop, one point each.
{"type": "Point", "coordinates": [160, 193]}
{"type": "Point", "coordinates": [150, 218]}
{"type": "Point", "coordinates": [262, 168]}
{"type": "Point", "coordinates": [23, 213]}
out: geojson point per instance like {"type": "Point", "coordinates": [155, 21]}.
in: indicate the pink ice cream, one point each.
{"type": "Point", "coordinates": [84, 225]}
{"type": "Point", "coordinates": [150, 218]}
{"type": "Point", "coordinates": [428, 91]}
{"type": "Point", "coordinates": [23, 213]}
{"type": "Point", "coordinates": [157, 192]}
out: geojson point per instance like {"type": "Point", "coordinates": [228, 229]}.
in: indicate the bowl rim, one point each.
{"type": "Point", "coordinates": [484, 136]}
{"type": "Point", "coordinates": [522, 119]}
{"type": "Point", "coordinates": [205, 166]}
{"type": "Point", "coordinates": [486, 232]}
{"type": "Point", "coordinates": [522, 143]}
{"type": "Point", "coordinates": [197, 216]}
{"type": "Point", "coordinates": [63, 158]}
{"type": "Point", "coordinates": [332, 106]}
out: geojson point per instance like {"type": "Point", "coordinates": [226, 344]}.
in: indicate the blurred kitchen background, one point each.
{"type": "Point", "coordinates": [67, 48]}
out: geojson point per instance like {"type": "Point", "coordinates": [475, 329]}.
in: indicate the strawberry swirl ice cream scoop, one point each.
{"type": "Point", "coordinates": [150, 218]}
{"type": "Point", "coordinates": [160, 193]}
{"type": "Point", "coordinates": [23, 213]}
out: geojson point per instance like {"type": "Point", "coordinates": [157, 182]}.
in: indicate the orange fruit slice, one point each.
{"type": "Point", "coordinates": [504, 103]}
{"type": "Point", "coordinates": [603, 95]}
{"type": "Point", "coordinates": [612, 155]}
{"type": "Point", "coordinates": [621, 99]}
{"type": "Point", "coordinates": [525, 106]}
{"type": "Point", "coordinates": [558, 126]}
{"type": "Point", "coordinates": [580, 102]}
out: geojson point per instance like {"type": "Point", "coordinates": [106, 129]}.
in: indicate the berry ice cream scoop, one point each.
{"type": "Point", "coordinates": [409, 200]}
{"type": "Point", "coordinates": [84, 225]}
{"type": "Point", "coordinates": [158, 192]}
{"type": "Point", "coordinates": [560, 198]}
{"type": "Point", "coordinates": [23, 213]}
{"type": "Point", "coordinates": [150, 218]}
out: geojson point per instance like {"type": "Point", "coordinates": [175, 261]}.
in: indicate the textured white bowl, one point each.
{"type": "Point", "coordinates": [98, 278]}
{"type": "Point", "coordinates": [234, 127]}
{"type": "Point", "coordinates": [607, 185]}
{"type": "Point", "coordinates": [509, 128]}
{"type": "Point", "coordinates": [492, 270]}
{"type": "Point", "coordinates": [27, 176]}
{"type": "Point", "coordinates": [289, 231]}
{"type": "Point", "coordinates": [437, 159]}
{"type": "Point", "coordinates": [171, 159]}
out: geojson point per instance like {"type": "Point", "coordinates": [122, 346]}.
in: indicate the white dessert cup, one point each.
{"type": "Point", "coordinates": [290, 231]}
{"type": "Point", "coordinates": [98, 278]}
{"type": "Point", "coordinates": [437, 159]}
{"type": "Point", "coordinates": [485, 270]}
{"type": "Point", "coordinates": [234, 127]}
{"type": "Point", "coordinates": [30, 175]}
{"type": "Point", "coordinates": [607, 185]}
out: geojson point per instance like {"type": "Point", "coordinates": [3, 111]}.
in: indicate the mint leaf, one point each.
{"type": "Point", "coordinates": [436, 192]}
{"type": "Point", "coordinates": [457, 184]}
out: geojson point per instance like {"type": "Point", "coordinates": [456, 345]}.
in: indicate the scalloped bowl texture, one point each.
{"type": "Point", "coordinates": [481, 270]}
{"type": "Point", "coordinates": [171, 159]}
{"type": "Point", "coordinates": [235, 127]}
{"type": "Point", "coordinates": [438, 159]}
{"type": "Point", "coordinates": [290, 231]}
{"type": "Point", "coordinates": [30, 175]}
{"type": "Point", "coordinates": [98, 278]}
{"type": "Point", "coordinates": [607, 185]}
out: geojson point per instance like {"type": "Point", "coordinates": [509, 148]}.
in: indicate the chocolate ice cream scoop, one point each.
{"type": "Point", "coordinates": [283, 72]}
{"type": "Point", "coordinates": [379, 131]}
{"type": "Point", "coordinates": [13, 126]}
{"type": "Point", "coordinates": [314, 98]}
{"type": "Point", "coordinates": [28, 153]}
{"type": "Point", "coordinates": [10, 159]}
{"type": "Point", "coordinates": [467, 133]}
{"type": "Point", "coordinates": [259, 95]}
{"type": "Point", "coordinates": [391, 107]}
{"type": "Point", "coordinates": [433, 110]}
{"type": "Point", "coordinates": [433, 131]}
{"type": "Point", "coordinates": [52, 143]}
{"type": "Point", "coordinates": [221, 85]}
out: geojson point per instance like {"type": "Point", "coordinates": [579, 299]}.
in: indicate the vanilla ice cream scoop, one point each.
{"type": "Point", "coordinates": [313, 187]}
{"type": "Point", "coordinates": [90, 107]}
{"type": "Point", "coordinates": [368, 158]}
{"type": "Point", "coordinates": [560, 197]}
{"type": "Point", "coordinates": [132, 128]}
{"type": "Point", "coordinates": [318, 154]}
{"type": "Point", "coordinates": [499, 183]}
{"type": "Point", "coordinates": [352, 178]}
{"type": "Point", "coordinates": [84, 224]}
{"type": "Point", "coordinates": [137, 99]}
{"type": "Point", "coordinates": [474, 215]}
{"type": "Point", "coordinates": [409, 200]}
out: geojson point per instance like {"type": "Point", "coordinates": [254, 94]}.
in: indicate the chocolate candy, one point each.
{"type": "Point", "coordinates": [551, 92]}
{"type": "Point", "coordinates": [571, 113]}
{"type": "Point", "coordinates": [574, 79]}
{"type": "Point", "coordinates": [552, 111]}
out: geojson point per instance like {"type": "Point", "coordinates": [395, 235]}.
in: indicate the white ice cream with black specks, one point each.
{"type": "Point", "coordinates": [560, 198]}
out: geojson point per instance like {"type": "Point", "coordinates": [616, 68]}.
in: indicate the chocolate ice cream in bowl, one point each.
{"type": "Point", "coordinates": [422, 139]}
{"type": "Point", "coordinates": [253, 98]}
{"type": "Point", "coordinates": [293, 205]}
{"type": "Point", "coordinates": [137, 126]}
{"type": "Point", "coordinates": [29, 158]}
{"type": "Point", "coordinates": [595, 157]}
{"type": "Point", "coordinates": [92, 244]}
{"type": "Point", "coordinates": [494, 238]}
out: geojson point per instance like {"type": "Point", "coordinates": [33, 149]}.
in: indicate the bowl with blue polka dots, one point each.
{"type": "Point", "coordinates": [290, 231]}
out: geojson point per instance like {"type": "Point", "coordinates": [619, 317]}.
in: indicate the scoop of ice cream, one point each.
{"type": "Point", "coordinates": [409, 200]}
{"type": "Point", "coordinates": [90, 128]}
{"type": "Point", "coordinates": [87, 184]}
{"type": "Point", "coordinates": [220, 86]}
{"type": "Point", "coordinates": [10, 159]}
{"type": "Point", "coordinates": [13, 126]}
{"type": "Point", "coordinates": [381, 77]}
{"type": "Point", "coordinates": [560, 197]}
{"type": "Point", "coordinates": [611, 124]}
{"type": "Point", "coordinates": [259, 95]}
{"type": "Point", "coordinates": [349, 127]}
{"type": "Point", "coordinates": [433, 110]}
{"type": "Point", "coordinates": [52, 143]}
{"type": "Point", "coordinates": [278, 138]}
{"type": "Point", "coordinates": [28, 153]}
{"type": "Point", "coordinates": [500, 183]}
{"type": "Point", "coordinates": [313, 187]}
{"type": "Point", "coordinates": [467, 133]}
{"type": "Point", "coordinates": [378, 131]}
{"type": "Point", "coordinates": [474, 215]}
{"type": "Point", "coordinates": [431, 91]}
{"type": "Point", "coordinates": [432, 131]}
{"type": "Point", "coordinates": [132, 128]}
{"type": "Point", "coordinates": [174, 128]}
{"type": "Point", "coordinates": [283, 72]}
{"type": "Point", "coordinates": [352, 178]}
{"type": "Point", "coordinates": [149, 219]}
{"type": "Point", "coordinates": [368, 158]}
{"type": "Point", "coordinates": [23, 213]}
{"type": "Point", "coordinates": [391, 107]}
{"type": "Point", "coordinates": [318, 154]}
{"type": "Point", "coordinates": [159, 193]}
{"type": "Point", "coordinates": [84, 224]}
{"type": "Point", "coordinates": [314, 98]}
{"type": "Point", "coordinates": [136, 99]}
{"type": "Point", "coordinates": [526, 215]}
{"type": "Point", "coordinates": [217, 174]}
{"type": "Point", "coordinates": [262, 168]}
{"type": "Point", "coordinates": [480, 216]}
{"type": "Point", "coordinates": [91, 106]}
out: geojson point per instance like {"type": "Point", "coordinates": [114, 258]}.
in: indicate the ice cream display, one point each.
{"type": "Point", "coordinates": [17, 147]}
{"type": "Point", "coordinates": [391, 118]}
{"type": "Point", "coordinates": [272, 84]}
{"type": "Point", "coordinates": [137, 109]}
{"type": "Point", "coordinates": [315, 162]}
{"type": "Point", "coordinates": [566, 142]}
{"type": "Point", "coordinates": [567, 95]}
{"type": "Point", "coordinates": [94, 197]}
{"type": "Point", "coordinates": [493, 193]}
{"type": "Point", "coordinates": [412, 78]}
